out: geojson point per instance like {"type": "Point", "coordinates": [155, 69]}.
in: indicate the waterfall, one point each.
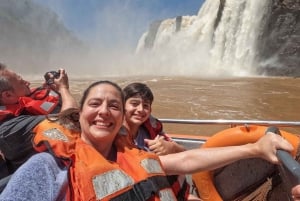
{"type": "Point", "coordinates": [220, 40]}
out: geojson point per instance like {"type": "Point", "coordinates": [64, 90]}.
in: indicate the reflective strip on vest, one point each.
{"type": "Point", "coordinates": [167, 195]}
{"type": "Point", "coordinates": [47, 106]}
{"type": "Point", "coordinates": [2, 107]}
{"type": "Point", "coordinates": [110, 182]}
{"type": "Point", "coordinates": [151, 166]}
{"type": "Point", "coordinates": [55, 134]}
{"type": "Point", "coordinates": [53, 93]}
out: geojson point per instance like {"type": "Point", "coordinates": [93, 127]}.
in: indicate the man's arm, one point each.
{"type": "Point", "coordinates": [68, 101]}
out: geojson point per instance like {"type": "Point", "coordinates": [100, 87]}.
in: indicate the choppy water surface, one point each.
{"type": "Point", "coordinates": [242, 98]}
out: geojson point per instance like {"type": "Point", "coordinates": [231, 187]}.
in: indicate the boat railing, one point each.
{"type": "Point", "coordinates": [191, 142]}
{"type": "Point", "coordinates": [233, 123]}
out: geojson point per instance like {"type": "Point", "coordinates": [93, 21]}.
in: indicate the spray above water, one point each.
{"type": "Point", "coordinates": [221, 40]}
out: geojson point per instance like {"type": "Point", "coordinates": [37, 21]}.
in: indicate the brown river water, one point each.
{"type": "Point", "coordinates": [274, 99]}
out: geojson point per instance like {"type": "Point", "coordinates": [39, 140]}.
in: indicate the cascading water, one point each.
{"type": "Point", "coordinates": [221, 40]}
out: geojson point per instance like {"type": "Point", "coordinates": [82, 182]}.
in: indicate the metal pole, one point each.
{"type": "Point", "coordinates": [233, 122]}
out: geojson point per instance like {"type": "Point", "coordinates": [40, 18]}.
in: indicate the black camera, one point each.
{"type": "Point", "coordinates": [50, 79]}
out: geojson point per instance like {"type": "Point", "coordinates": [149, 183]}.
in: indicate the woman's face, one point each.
{"type": "Point", "coordinates": [101, 115]}
{"type": "Point", "coordinates": [137, 110]}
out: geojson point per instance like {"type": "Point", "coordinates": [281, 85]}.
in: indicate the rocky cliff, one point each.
{"type": "Point", "coordinates": [230, 38]}
{"type": "Point", "coordinates": [32, 38]}
{"type": "Point", "coordinates": [280, 44]}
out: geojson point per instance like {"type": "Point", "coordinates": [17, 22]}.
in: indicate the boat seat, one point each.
{"type": "Point", "coordinates": [242, 177]}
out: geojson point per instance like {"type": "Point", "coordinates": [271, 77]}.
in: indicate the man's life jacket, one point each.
{"type": "Point", "coordinates": [135, 175]}
{"type": "Point", "coordinates": [41, 102]}
{"type": "Point", "coordinates": [178, 182]}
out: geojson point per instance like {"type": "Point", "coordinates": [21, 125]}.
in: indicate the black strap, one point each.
{"type": "Point", "coordinates": [144, 190]}
{"type": "Point", "coordinates": [181, 195]}
{"type": "Point", "coordinates": [62, 162]}
{"type": "Point", "coordinates": [184, 188]}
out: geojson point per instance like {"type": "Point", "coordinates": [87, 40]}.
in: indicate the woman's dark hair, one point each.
{"type": "Point", "coordinates": [87, 91]}
{"type": "Point", "coordinates": [138, 89]}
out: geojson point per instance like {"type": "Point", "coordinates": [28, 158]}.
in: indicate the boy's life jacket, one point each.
{"type": "Point", "coordinates": [41, 102]}
{"type": "Point", "coordinates": [178, 182]}
{"type": "Point", "coordinates": [135, 175]}
{"type": "Point", "coordinates": [154, 128]}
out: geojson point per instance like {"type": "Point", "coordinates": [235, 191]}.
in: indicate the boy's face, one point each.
{"type": "Point", "coordinates": [137, 110]}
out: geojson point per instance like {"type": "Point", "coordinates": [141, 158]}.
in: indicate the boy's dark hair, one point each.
{"type": "Point", "coordinates": [138, 89]}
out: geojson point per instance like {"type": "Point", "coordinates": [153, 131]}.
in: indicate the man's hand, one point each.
{"type": "Point", "coordinates": [62, 82]}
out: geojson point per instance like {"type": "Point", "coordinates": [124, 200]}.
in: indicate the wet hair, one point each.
{"type": "Point", "coordinates": [87, 91]}
{"type": "Point", "coordinates": [138, 89]}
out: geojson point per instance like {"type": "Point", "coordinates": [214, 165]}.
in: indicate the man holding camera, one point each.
{"type": "Point", "coordinates": [22, 108]}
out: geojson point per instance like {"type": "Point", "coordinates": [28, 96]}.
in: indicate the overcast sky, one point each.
{"type": "Point", "coordinates": [117, 21]}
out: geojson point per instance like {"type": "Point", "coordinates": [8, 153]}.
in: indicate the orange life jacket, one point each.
{"type": "Point", "coordinates": [136, 174]}
{"type": "Point", "coordinates": [40, 102]}
{"type": "Point", "coordinates": [178, 182]}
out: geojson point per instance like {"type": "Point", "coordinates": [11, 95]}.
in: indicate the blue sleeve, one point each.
{"type": "Point", "coordinates": [39, 179]}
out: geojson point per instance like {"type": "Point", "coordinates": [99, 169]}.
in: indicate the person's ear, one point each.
{"type": "Point", "coordinates": [3, 94]}
{"type": "Point", "coordinates": [7, 97]}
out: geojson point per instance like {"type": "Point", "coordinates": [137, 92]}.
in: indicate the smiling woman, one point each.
{"type": "Point", "coordinates": [101, 115]}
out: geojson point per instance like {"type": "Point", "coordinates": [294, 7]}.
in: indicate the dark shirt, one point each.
{"type": "Point", "coordinates": [16, 139]}
{"type": "Point", "coordinates": [140, 138]}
